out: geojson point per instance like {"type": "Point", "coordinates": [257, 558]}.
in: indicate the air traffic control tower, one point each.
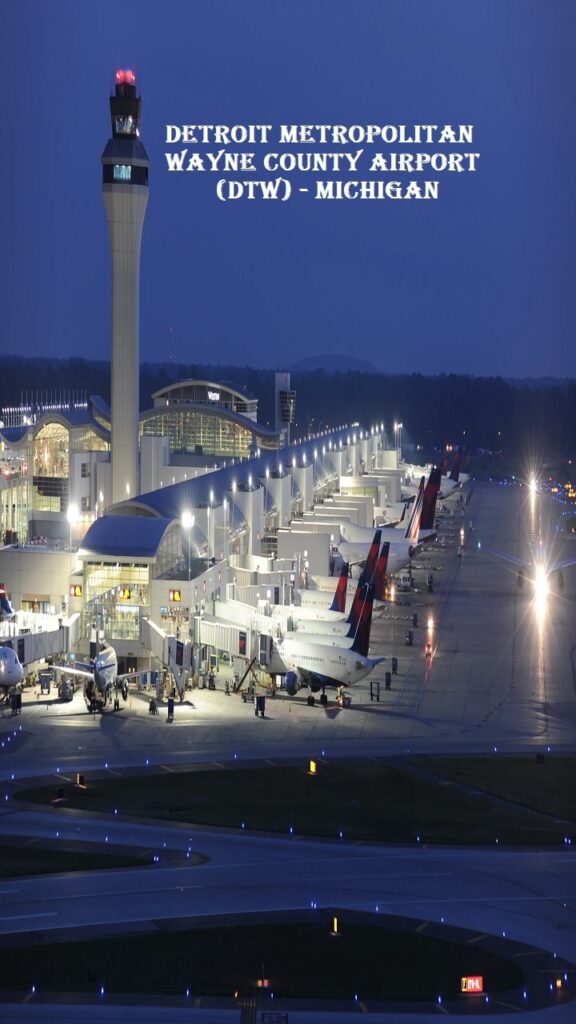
{"type": "Point", "coordinates": [125, 191]}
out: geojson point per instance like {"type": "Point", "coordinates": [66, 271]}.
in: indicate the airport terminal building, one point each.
{"type": "Point", "coordinates": [115, 515]}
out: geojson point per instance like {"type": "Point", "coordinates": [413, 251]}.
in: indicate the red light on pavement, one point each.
{"type": "Point", "coordinates": [473, 984]}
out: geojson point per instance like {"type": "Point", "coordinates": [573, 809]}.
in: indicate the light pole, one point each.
{"type": "Point", "coordinates": [210, 545]}
{"type": "Point", "coordinates": [233, 502]}
{"type": "Point", "coordinates": [187, 522]}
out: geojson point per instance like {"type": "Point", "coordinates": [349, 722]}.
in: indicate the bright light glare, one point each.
{"type": "Point", "coordinates": [533, 485]}
{"type": "Point", "coordinates": [430, 624]}
{"type": "Point", "coordinates": [541, 585]}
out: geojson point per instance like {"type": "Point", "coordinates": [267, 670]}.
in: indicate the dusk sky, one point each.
{"type": "Point", "coordinates": [479, 281]}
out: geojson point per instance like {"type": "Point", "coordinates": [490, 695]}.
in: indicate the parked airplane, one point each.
{"type": "Point", "coordinates": [315, 613]}
{"type": "Point", "coordinates": [401, 550]}
{"type": "Point", "coordinates": [11, 671]}
{"type": "Point", "coordinates": [456, 477]}
{"type": "Point", "coordinates": [427, 519]}
{"type": "Point", "coordinates": [317, 665]}
{"type": "Point", "coordinates": [352, 533]}
{"type": "Point", "coordinates": [345, 631]}
{"type": "Point", "coordinates": [99, 678]}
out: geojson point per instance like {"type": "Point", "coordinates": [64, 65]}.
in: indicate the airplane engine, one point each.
{"type": "Point", "coordinates": [292, 684]}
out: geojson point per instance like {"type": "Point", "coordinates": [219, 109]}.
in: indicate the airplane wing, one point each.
{"type": "Point", "coordinates": [520, 564]}
{"type": "Point", "coordinates": [558, 566]}
{"type": "Point", "coordinates": [517, 562]}
{"type": "Point", "coordinates": [82, 673]}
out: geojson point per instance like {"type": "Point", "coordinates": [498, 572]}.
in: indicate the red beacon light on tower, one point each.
{"type": "Point", "coordinates": [125, 77]}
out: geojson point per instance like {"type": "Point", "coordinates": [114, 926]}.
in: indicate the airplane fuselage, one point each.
{"type": "Point", "coordinates": [398, 557]}
{"type": "Point", "coordinates": [11, 671]}
{"type": "Point", "coordinates": [328, 664]}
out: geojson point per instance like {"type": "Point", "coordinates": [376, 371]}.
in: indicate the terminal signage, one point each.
{"type": "Point", "coordinates": [474, 983]}
{"type": "Point", "coordinates": [75, 590]}
{"type": "Point", "coordinates": [175, 596]}
{"type": "Point", "coordinates": [213, 396]}
{"type": "Point", "coordinates": [124, 593]}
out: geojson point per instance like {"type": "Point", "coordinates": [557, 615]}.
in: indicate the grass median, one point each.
{"type": "Point", "coordinates": [515, 800]}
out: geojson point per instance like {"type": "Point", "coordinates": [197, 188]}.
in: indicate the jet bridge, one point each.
{"type": "Point", "coordinates": [33, 644]}
{"type": "Point", "coordinates": [175, 654]}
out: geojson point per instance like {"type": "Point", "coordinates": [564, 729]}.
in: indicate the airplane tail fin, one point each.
{"type": "Point", "coordinates": [401, 520]}
{"type": "Point", "coordinates": [413, 527]}
{"type": "Point", "coordinates": [455, 474]}
{"type": "Point", "coordinates": [430, 497]}
{"type": "Point", "coordinates": [7, 609]}
{"type": "Point", "coordinates": [362, 639]}
{"type": "Point", "coordinates": [370, 564]}
{"type": "Point", "coordinates": [365, 577]}
{"type": "Point", "coordinates": [444, 466]}
{"type": "Point", "coordinates": [339, 601]}
{"type": "Point", "coordinates": [380, 573]}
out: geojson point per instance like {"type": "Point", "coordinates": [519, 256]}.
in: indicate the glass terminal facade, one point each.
{"type": "Point", "coordinates": [207, 431]}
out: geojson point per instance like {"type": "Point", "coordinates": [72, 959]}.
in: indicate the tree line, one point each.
{"type": "Point", "coordinates": [517, 417]}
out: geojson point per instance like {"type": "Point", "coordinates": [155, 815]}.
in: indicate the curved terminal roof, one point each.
{"type": "Point", "coordinates": [16, 437]}
{"type": "Point", "coordinates": [170, 502]}
{"type": "Point", "coordinates": [124, 536]}
{"type": "Point", "coordinates": [183, 385]}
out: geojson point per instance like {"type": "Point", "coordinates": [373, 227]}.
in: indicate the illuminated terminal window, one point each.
{"type": "Point", "coordinates": [201, 432]}
{"type": "Point", "coordinates": [114, 594]}
{"type": "Point", "coordinates": [122, 172]}
{"type": "Point", "coordinates": [86, 439]}
{"type": "Point", "coordinates": [50, 467]}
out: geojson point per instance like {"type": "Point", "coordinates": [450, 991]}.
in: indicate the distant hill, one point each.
{"type": "Point", "coordinates": [332, 363]}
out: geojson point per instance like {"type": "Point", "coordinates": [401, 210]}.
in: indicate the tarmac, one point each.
{"type": "Point", "coordinates": [499, 679]}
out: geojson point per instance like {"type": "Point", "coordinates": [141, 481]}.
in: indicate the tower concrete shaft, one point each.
{"type": "Point", "coordinates": [125, 192]}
